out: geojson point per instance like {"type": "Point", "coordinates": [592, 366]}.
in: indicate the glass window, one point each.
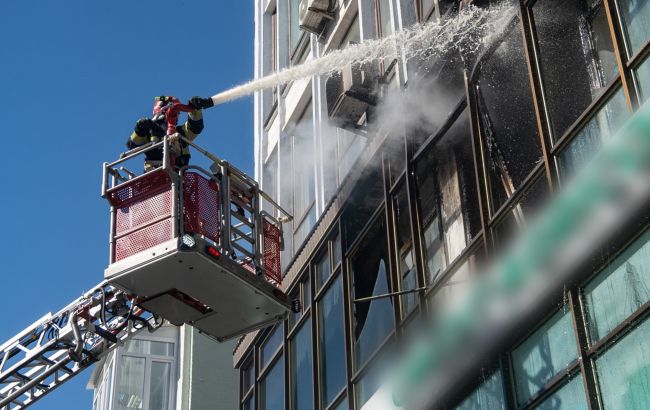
{"type": "Point", "coordinates": [407, 270]}
{"type": "Point", "coordinates": [544, 354]}
{"type": "Point", "coordinates": [488, 396]}
{"type": "Point", "coordinates": [571, 396]}
{"type": "Point", "coordinates": [294, 25]}
{"type": "Point", "coordinates": [150, 347]}
{"type": "Point", "coordinates": [323, 269]}
{"type": "Point", "coordinates": [350, 146]}
{"type": "Point", "coordinates": [425, 8]}
{"type": "Point", "coordinates": [305, 227]}
{"type": "Point", "coordinates": [577, 56]}
{"type": "Point", "coordinates": [384, 18]}
{"type": "Point", "coordinates": [129, 389]}
{"type": "Point", "coordinates": [371, 380]}
{"type": "Point", "coordinates": [624, 373]}
{"type": "Point", "coordinates": [332, 343]}
{"type": "Point", "coordinates": [589, 140]}
{"type": "Point", "coordinates": [643, 74]}
{"type": "Point", "coordinates": [248, 375]}
{"type": "Point", "coordinates": [336, 249]}
{"type": "Point", "coordinates": [250, 403]}
{"type": "Point", "coordinates": [619, 290]}
{"type": "Point", "coordinates": [301, 369]}
{"type": "Point", "coordinates": [272, 387]}
{"type": "Point", "coordinates": [636, 16]}
{"type": "Point", "coordinates": [160, 385]}
{"type": "Point", "coordinates": [270, 180]}
{"type": "Point", "coordinates": [373, 320]}
{"type": "Point", "coordinates": [286, 194]}
{"type": "Point", "coordinates": [511, 141]}
{"type": "Point", "coordinates": [353, 35]}
{"type": "Point", "coordinates": [303, 154]}
{"type": "Point", "coordinates": [448, 198]}
{"type": "Point", "coordinates": [271, 345]}
{"type": "Point", "coordinates": [343, 405]}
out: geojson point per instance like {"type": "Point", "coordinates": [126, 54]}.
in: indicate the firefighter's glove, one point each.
{"type": "Point", "coordinates": [199, 103]}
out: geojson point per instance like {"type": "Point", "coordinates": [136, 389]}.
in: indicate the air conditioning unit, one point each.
{"type": "Point", "coordinates": [350, 93]}
{"type": "Point", "coordinates": [314, 14]}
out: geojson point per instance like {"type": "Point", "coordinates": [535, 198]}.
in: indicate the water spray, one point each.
{"type": "Point", "coordinates": [431, 40]}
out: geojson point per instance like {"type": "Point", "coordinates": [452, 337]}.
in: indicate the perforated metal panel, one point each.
{"type": "Point", "coordinates": [147, 186]}
{"type": "Point", "coordinates": [272, 252]}
{"type": "Point", "coordinates": [201, 207]}
{"type": "Point", "coordinates": [144, 239]}
{"type": "Point", "coordinates": [143, 211]}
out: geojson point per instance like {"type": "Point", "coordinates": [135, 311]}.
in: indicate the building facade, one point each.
{"type": "Point", "coordinates": [172, 368]}
{"type": "Point", "coordinates": [381, 209]}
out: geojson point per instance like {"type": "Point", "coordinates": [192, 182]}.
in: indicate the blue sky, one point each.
{"type": "Point", "coordinates": [74, 77]}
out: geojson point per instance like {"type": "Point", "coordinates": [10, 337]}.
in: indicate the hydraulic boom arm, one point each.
{"type": "Point", "coordinates": [60, 346]}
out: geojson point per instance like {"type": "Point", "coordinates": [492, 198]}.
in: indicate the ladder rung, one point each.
{"type": "Point", "coordinates": [242, 249]}
{"type": "Point", "coordinates": [242, 235]}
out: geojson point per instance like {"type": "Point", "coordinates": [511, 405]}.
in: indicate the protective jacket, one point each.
{"type": "Point", "coordinates": [146, 130]}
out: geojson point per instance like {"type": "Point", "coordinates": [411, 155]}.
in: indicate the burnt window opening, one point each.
{"type": "Point", "coordinates": [448, 198]}
{"type": "Point", "coordinates": [507, 118]}
{"type": "Point", "coordinates": [364, 201]}
{"type": "Point", "coordinates": [372, 320]}
{"type": "Point", "coordinates": [576, 56]}
{"type": "Point", "coordinates": [405, 254]}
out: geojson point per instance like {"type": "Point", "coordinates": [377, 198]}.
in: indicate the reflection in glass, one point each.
{"type": "Point", "coordinates": [636, 16]}
{"type": "Point", "coordinates": [589, 140]}
{"type": "Point", "coordinates": [150, 347]}
{"type": "Point", "coordinates": [301, 369]}
{"type": "Point", "coordinates": [571, 396]}
{"type": "Point", "coordinates": [543, 355]}
{"type": "Point", "coordinates": [577, 56]}
{"type": "Point", "coordinates": [272, 387]}
{"type": "Point", "coordinates": [159, 387]}
{"type": "Point", "coordinates": [323, 269]}
{"type": "Point", "coordinates": [271, 345]}
{"type": "Point", "coordinates": [624, 373]}
{"type": "Point", "coordinates": [488, 396]}
{"type": "Point", "coordinates": [332, 343]}
{"type": "Point", "coordinates": [643, 74]}
{"type": "Point", "coordinates": [129, 391]}
{"type": "Point", "coordinates": [619, 290]}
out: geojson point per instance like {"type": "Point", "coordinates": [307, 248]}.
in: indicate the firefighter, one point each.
{"type": "Point", "coordinates": [154, 129]}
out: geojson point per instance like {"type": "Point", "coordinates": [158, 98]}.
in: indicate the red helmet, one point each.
{"type": "Point", "coordinates": [161, 103]}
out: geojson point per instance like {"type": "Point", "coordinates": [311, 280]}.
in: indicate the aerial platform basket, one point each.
{"type": "Point", "coordinates": [193, 245]}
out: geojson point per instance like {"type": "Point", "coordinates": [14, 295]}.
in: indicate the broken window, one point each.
{"type": "Point", "coordinates": [577, 56]}
{"type": "Point", "coordinates": [405, 255]}
{"type": "Point", "coordinates": [372, 320]}
{"type": "Point", "coordinates": [363, 202]}
{"type": "Point", "coordinates": [507, 118]}
{"type": "Point", "coordinates": [447, 197]}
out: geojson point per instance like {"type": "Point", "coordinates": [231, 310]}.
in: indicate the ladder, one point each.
{"type": "Point", "coordinates": [59, 346]}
